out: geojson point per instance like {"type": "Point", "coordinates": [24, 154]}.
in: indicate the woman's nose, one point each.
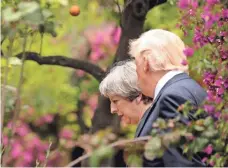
{"type": "Point", "coordinates": [113, 109]}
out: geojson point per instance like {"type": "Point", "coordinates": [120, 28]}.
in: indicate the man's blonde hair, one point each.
{"type": "Point", "coordinates": [163, 50]}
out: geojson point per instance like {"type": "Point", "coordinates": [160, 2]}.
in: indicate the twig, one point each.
{"type": "Point", "coordinates": [18, 96]}
{"type": "Point", "coordinates": [120, 13]}
{"type": "Point", "coordinates": [47, 154]}
{"type": "Point", "coordinates": [119, 143]}
{"type": "Point", "coordinates": [41, 42]}
{"type": "Point", "coordinates": [7, 56]}
{"type": "Point", "coordinates": [64, 61]}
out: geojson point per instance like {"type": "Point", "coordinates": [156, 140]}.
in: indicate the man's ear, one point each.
{"type": "Point", "coordinates": [146, 65]}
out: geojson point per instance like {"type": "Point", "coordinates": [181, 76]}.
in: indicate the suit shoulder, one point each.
{"type": "Point", "coordinates": [187, 89]}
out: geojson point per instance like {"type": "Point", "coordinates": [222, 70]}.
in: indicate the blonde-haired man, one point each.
{"type": "Point", "coordinates": [162, 76]}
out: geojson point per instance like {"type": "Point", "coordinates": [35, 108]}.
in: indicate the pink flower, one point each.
{"type": "Point", "coordinates": [209, 108]}
{"type": "Point", "coordinates": [93, 102]}
{"type": "Point", "coordinates": [217, 114]}
{"type": "Point", "coordinates": [194, 4]}
{"type": "Point", "coordinates": [41, 156]}
{"type": "Point", "coordinates": [28, 156]}
{"type": "Point", "coordinates": [43, 146]}
{"type": "Point", "coordinates": [183, 4]}
{"type": "Point", "coordinates": [16, 150]}
{"type": "Point", "coordinates": [220, 91]}
{"type": "Point", "coordinates": [208, 78]}
{"type": "Point", "coordinates": [188, 52]}
{"type": "Point", "coordinates": [35, 142]}
{"type": "Point", "coordinates": [204, 159]}
{"type": "Point", "coordinates": [208, 150]}
{"type": "Point", "coordinates": [9, 124]}
{"type": "Point", "coordinates": [218, 100]}
{"type": "Point", "coordinates": [48, 118]}
{"type": "Point", "coordinates": [226, 83]}
{"type": "Point", "coordinates": [39, 122]}
{"type": "Point", "coordinates": [66, 133]}
{"type": "Point", "coordinates": [219, 82]}
{"type": "Point", "coordinates": [184, 62]}
{"type": "Point", "coordinates": [199, 37]}
{"type": "Point", "coordinates": [212, 163]}
{"type": "Point", "coordinates": [5, 140]}
{"type": "Point", "coordinates": [80, 73]}
{"type": "Point", "coordinates": [210, 19]}
{"type": "Point", "coordinates": [225, 13]}
{"type": "Point", "coordinates": [212, 2]}
{"type": "Point", "coordinates": [99, 39]}
{"type": "Point", "coordinates": [116, 35]}
{"type": "Point", "coordinates": [22, 129]}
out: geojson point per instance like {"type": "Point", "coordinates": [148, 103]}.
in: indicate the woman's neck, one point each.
{"type": "Point", "coordinates": [144, 109]}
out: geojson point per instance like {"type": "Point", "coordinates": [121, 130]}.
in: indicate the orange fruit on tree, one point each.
{"type": "Point", "coordinates": [75, 10]}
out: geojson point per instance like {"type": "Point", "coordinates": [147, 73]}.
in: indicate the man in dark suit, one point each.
{"type": "Point", "coordinates": [163, 76]}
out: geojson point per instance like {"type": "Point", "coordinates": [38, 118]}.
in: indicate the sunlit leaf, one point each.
{"type": "Point", "coordinates": [15, 61]}
{"type": "Point", "coordinates": [46, 13]}
{"type": "Point", "coordinates": [63, 2]}
{"type": "Point", "coordinates": [28, 7]}
{"type": "Point", "coordinates": [9, 15]}
{"type": "Point", "coordinates": [153, 148]}
{"type": "Point", "coordinates": [198, 128]}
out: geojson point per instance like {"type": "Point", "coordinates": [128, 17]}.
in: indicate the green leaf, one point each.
{"type": "Point", "coordinates": [219, 145]}
{"type": "Point", "coordinates": [15, 61]}
{"type": "Point", "coordinates": [226, 149]}
{"type": "Point", "coordinates": [63, 2]}
{"type": "Point", "coordinates": [171, 138]}
{"type": "Point", "coordinates": [161, 123]}
{"type": "Point", "coordinates": [199, 144]}
{"type": "Point", "coordinates": [46, 13]}
{"type": "Point", "coordinates": [50, 28]}
{"type": "Point", "coordinates": [153, 148]}
{"type": "Point", "coordinates": [134, 160]}
{"type": "Point", "coordinates": [34, 18]}
{"type": "Point", "coordinates": [28, 7]}
{"type": "Point", "coordinates": [210, 132]}
{"type": "Point", "coordinates": [198, 128]}
{"type": "Point", "coordinates": [208, 121]}
{"type": "Point", "coordinates": [99, 154]}
{"type": "Point", "coordinates": [9, 15]}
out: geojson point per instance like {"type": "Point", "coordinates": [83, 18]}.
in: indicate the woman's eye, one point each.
{"type": "Point", "coordinates": [115, 101]}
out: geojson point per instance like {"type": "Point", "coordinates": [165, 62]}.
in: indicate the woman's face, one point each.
{"type": "Point", "coordinates": [129, 111]}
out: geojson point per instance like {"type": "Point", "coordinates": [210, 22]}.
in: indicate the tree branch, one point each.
{"type": "Point", "coordinates": [120, 144]}
{"type": "Point", "coordinates": [88, 67]}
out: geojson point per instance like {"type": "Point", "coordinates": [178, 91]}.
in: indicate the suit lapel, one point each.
{"type": "Point", "coordinates": [150, 110]}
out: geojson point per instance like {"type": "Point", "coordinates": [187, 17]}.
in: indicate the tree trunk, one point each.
{"type": "Point", "coordinates": [132, 21]}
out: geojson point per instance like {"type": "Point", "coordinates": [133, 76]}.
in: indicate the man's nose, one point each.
{"type": "Point", "coordinates": [113, 108]}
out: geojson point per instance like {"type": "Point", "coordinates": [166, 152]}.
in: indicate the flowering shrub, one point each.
{"type": "Point", "coordinates": [205, 21]}
{"type": "Point", "coordinates": [27, 148]}
{"type": "Point", "coordinates": [103, 41]}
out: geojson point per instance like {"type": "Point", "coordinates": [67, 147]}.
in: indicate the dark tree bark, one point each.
{"type": "Point", "coordinates": [64, 61]}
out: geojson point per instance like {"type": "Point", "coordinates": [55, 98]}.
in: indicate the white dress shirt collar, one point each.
{"type": "Point", "coordinates": [164, 80]}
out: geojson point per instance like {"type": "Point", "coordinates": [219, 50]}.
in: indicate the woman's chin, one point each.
{"type": "Point", "coordinates": [127, 121]}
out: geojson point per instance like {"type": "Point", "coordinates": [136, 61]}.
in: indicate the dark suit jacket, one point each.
{"type": "Point", "coordinates": [177, 91]}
